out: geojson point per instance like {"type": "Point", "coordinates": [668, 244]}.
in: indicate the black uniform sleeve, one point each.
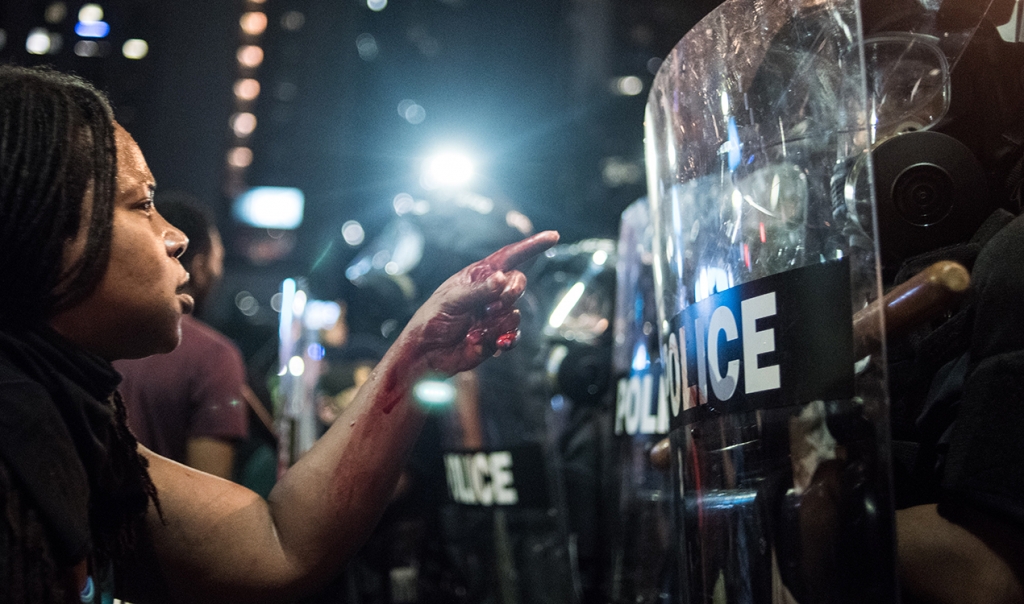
{"type": "Point", "coordinates": [985, 463]}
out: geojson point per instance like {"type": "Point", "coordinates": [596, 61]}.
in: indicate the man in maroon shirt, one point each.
{"type": "Point", "coordinates": [188, 405]}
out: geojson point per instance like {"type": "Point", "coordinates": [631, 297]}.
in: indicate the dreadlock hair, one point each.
{"type": "Point", "coordinates": [58, 171]}
{"type": "Point", "coordinates": [58, 164]}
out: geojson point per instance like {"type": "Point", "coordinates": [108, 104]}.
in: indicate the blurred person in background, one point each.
{"type": "Point", "coordinates": [91, 276]}
{"type": "Point", "coordinates": [189, 405]}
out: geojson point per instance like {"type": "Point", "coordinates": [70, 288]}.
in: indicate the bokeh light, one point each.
{"type": "Point", "coordinates": [413, 112]}
{"type": "Point", "coordinates": [247, 89]}
{"type": "Point", "coordinates": [403, 203]}
{"type": "Point", "coordinates": [253, 23]}
{"type": "Point", "coordinates": [92, 29]}
{"type": "Point", "coordinates": [376, 5]}
{"type": "Point", "coordinates": [87, 48]}
{"type": "Point", "coordinates": [56, 12]}
{"type": "Point", "coordinates": [240, 157]}
{"type": "Point", "coordinates": [243, 124]}
{"type": "Point", "coordinates": [90, 13]}
{"type": "Point", "coordinates": [38, 41]}
{"type": "Point", "coordinates": [293, 20]}
{"type": "Point", "coordinates": [250, 56]}
{"type": "Point", "coordinates": [366, 44]}
{"type": "Point", "coordinates": [135, 48]}
{"type": "Point", "coordinates": [353, 233]}
{"type": "Point", "coordinates": [629, 86]}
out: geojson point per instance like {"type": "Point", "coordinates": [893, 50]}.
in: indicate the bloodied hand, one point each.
{"type": "Point", "coordinates": [472, 315]}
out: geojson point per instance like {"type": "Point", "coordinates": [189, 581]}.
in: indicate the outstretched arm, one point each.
{"type": "Point", "coordinates": [942, 562]}
{"type": "Point", "coordinates": [221, 542]}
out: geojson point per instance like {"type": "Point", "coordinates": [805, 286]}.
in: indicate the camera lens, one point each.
{"type": "Point", "coordinates": [923, 194]}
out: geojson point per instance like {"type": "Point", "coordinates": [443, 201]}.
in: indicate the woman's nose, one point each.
{"type": "Point", "coordinates": [176, 242]}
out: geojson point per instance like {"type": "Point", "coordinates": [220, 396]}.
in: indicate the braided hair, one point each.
{"type": "Point", "coordinates": [56, 150]}
{"type": "Point", "coordinates": [58, 171]}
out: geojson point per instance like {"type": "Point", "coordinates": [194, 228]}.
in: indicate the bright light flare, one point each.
{"type": "Point", "coordinates": [434, 392]}
{"type": "Point", "coordinates": [447, 169]}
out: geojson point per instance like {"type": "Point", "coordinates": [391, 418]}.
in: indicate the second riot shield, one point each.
{"type": "Point", "coordinates": [641, 567]}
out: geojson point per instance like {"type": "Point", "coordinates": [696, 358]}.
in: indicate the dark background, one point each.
{"type": "Point", "coordinates": [526, 85]}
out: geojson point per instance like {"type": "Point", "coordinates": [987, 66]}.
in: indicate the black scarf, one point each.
{"type": "Point", "coordinates": [64, 438]}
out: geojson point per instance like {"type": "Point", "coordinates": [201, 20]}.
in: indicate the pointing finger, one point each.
{"type": "Point", "coordinates": [514, 254]}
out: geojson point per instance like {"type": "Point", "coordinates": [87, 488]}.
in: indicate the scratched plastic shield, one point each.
{"type": "Point", "coordinates": [779, 436]}
{"type": "Point", "coordinates": [503, 525]}
{"type": "Point", "coordinates": [641, 568]}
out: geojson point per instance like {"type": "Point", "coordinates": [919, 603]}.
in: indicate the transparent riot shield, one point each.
{"type": "Point", "coordinates": [503, 522]}
{"type": "Point", "coordinates": [779, 426]}
{"type": "Point", "coordinates": [575, 288]}
{"type": "Point", "coordinates": [299, 359]}
{"type": "Point", "coordinates": [641, 569]}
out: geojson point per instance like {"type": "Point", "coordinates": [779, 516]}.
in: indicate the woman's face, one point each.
{"type": "Point", "coordinates": [136, 309]}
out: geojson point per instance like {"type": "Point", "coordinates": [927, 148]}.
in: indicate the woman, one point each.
{"type": "Point", "coordinates": [89, 274]}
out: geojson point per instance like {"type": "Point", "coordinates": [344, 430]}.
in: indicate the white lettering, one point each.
{"type": "Point", "coordinates": [501, 479]}
{"type": "Point", "coordinates": [481, 478]}
{"type": "Point", "coordinates": [722, 320]}
{"type": "Point", "coordinates": [645, 401]}
{"type": "Point", "coordinates": [758, 379]}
